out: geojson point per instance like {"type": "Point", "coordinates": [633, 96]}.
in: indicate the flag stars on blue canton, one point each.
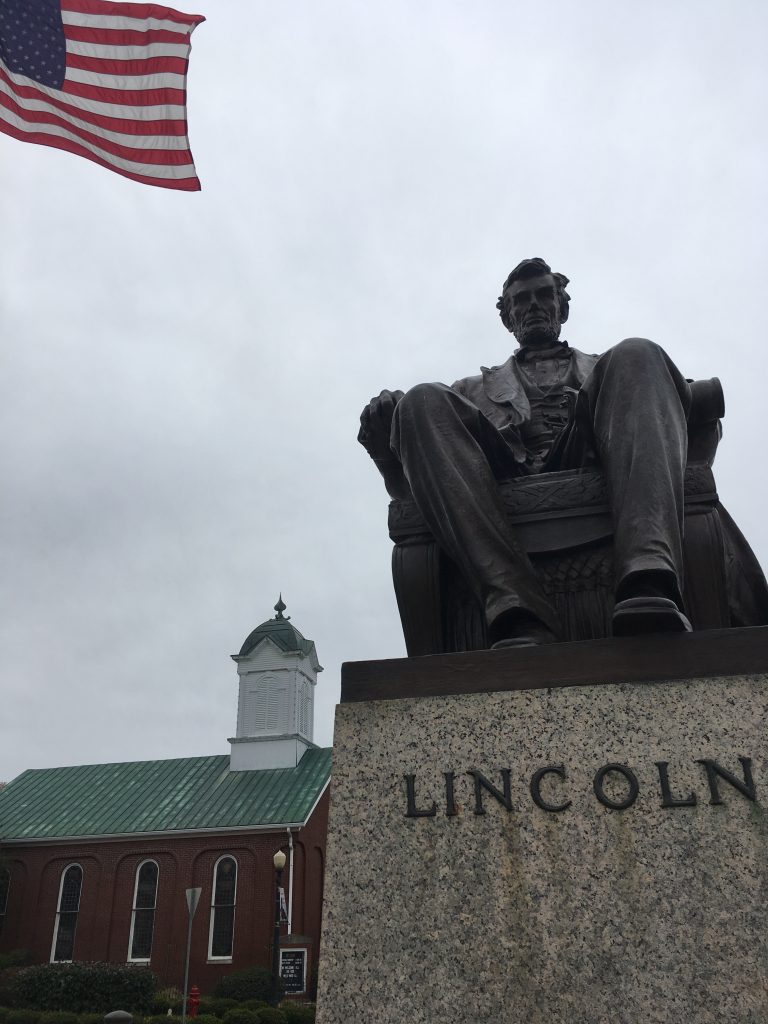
{"type": "Point", "coordinates": [32, 40]}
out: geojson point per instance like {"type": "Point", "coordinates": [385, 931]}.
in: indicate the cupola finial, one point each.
{"type": "Point", "coordinates": [280, 608]}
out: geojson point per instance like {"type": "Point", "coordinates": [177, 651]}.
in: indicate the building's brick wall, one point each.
{"type": "Point", "coordinates": [109, 874]}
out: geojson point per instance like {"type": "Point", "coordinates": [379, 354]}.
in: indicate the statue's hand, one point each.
{"type": "Point", "coordinates": [376, 425]}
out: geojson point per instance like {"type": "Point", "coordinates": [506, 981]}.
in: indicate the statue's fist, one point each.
{"type": "Point", "coordinates": [376, 424]}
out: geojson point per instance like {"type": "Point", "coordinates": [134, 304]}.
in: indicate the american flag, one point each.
{"type": "Point", "coordinates": [107, 81]}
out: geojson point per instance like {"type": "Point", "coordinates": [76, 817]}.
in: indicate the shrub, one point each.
{"type": "Point", "coordinates": [22, 1017]}
{"type": "Point", "coordinates": [10, 965]}
{"type": "Point", "coordinates": [159, 1018]}
{"type": "Point", "coordinates": [254, 1004]}
{"type": "Point", "coordinates": [168, 998]}
{"type": "Point", "coordinates": [272, 1016]}
{"type": "Point", "coordinates": [96, 1018]}
{"type": "Point", "coordinates": [205, 1018]}
{"type": "Point", "coordinates": [4, 1011]}
{"type": "Point", "coordinates": [241, 1016]}
{"type": "Point", "coordinates": [252, 983]}
{"type": "Point", "coordinates": [220, 1006]}
{"type": "Point", "coordinates": [298, 1013]}
{"type": "Point", "coordinates": [58, 1017]}
{"type": "Point", "coordinates": [84, 988]}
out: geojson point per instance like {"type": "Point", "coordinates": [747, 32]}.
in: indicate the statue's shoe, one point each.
{"type": "Point", "coordinates": [532, 637]}
{"type": "Point", "coordinates": [637, 616]}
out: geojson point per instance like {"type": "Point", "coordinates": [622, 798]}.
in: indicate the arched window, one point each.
{"type": "Point", "coordinates": [223, 909]}
{"type": "Point", "coordinates": [66, 913]}
{"type": "Point", "coordinates": [143, 915]}
{"type": "Point", "coordinates": [5, 884]}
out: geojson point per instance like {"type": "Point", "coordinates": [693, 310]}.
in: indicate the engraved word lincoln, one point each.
{"type": "Point", "coordinates": [560, 796]}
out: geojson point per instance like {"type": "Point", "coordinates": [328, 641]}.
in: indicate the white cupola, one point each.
{"type": "Point", "coordinates": [278, 670]}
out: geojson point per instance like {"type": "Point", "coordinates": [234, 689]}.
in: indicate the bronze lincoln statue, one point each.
{"type": "Point", "coordinates": [548, 408]}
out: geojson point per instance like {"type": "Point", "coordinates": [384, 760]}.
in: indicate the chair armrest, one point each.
{"type": "Point", "coordinates": [708, 401]}
{"type": "Point", "coordinates": [704, 428]}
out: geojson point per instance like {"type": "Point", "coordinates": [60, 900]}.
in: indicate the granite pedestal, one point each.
{"type": "Point", "coordinates": [571, 835]}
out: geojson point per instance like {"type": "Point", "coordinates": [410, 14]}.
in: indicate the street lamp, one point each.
{"type": "Point", "coordinates": [279, 861]}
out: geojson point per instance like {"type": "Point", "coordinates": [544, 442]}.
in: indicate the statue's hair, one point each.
{"type": "Point", "coordinates": [533, 268]}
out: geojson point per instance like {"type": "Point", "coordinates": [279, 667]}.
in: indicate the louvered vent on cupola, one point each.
{"type": "Point", "coordinates": [264, 706]}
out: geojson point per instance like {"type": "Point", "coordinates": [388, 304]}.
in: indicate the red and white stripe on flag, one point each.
{"type": "Point", "coordinates": [123, 100]}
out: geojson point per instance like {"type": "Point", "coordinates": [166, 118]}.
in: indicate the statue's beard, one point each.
{"type": "Point", "coordinates": [539, 333]}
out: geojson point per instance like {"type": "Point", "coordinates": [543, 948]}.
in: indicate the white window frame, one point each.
{"type": "Point", "coordinates": [153, 908]}
{"type": "Point", "coordinates": [74, 864]}
{"type": "Point", "coordinates": [222, 959]}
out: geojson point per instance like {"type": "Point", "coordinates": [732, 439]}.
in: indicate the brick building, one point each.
{"type": "Point", "coordinates": [95, 859]}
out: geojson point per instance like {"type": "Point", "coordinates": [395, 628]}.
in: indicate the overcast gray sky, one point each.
{"type": "Point", "coordinates": [181, 374]}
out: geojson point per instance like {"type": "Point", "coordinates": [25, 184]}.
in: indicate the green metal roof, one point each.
{"type": "Point", "coordinates": [184, 794]}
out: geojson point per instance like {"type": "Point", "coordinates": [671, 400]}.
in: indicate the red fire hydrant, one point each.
{"type": "Point", "coordinates": [193, 1002]}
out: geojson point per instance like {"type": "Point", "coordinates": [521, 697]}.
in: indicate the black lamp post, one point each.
{"type": "Point", "coordinates": [279, 861]}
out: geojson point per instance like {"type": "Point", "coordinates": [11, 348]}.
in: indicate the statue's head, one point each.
{"type": "Point", "coordinates": [533, 304]}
